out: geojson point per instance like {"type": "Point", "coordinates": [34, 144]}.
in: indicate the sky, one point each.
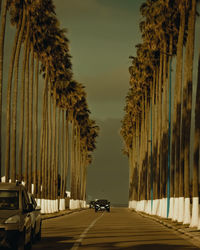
{"type": "Point", "coordinates": [102, 35]}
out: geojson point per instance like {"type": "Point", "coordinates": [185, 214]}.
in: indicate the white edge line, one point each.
{"type": "Point", "coordinates": [82, 236]}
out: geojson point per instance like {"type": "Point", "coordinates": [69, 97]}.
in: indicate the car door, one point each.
{"type": "Point", "coordinates": [37, 214]}
{"type": "Point", "coordinates": [26, 216]}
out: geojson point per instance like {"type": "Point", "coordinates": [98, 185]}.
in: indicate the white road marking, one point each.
{"type": "Point", "coordinates": [82, 236]}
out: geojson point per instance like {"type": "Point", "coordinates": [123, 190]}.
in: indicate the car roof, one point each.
{"type": "Point", "coordinates": [10, 186]}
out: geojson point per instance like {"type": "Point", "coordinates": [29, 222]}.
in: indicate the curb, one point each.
{"type": "Point", "coordinates": [60, 213]}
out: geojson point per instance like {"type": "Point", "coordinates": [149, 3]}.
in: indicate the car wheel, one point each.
{"type": "Point", "coordinates": [21, 242]}
{"type": "Point", "coordinates": [29, 245]}
{"type": "Point", "coordinates": [38, 235]}
{"type": "Point", "coordinates": [33, 236]}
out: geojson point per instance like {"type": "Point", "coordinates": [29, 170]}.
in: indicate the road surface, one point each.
{"type": "Point", "coordinates": [119, 229]}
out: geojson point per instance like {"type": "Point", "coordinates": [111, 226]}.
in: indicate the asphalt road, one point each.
{"type": "Point", "coordinates": [119, 229]}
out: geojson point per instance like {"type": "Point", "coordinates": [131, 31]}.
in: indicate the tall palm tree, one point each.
{"type": "Point", "coordinates": [177, 108]}
{"type": "Point", "coordinates": [2, 39]}
{"type": "Point", "coordinates": [9, 88]}
{"type": "Point", "coordinates": [15, 94]}
{"type": "Point", "coordinates": [186, 109]}
{"type": "Point", "coordinates": [0, 6]}
{"type": "Point", "coordinates": [196, 151]}
{"type": "Point", "coordinates": [26, 103]}
{"type": "Point", "coordinates": [187, 99]}
{"type": "Point", "coordinates": [35, 130]}
{"type": "Point", "coordinates": [22, 109]}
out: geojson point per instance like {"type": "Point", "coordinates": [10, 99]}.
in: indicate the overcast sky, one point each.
{"type": "Point", "coordinates": [103, 34]}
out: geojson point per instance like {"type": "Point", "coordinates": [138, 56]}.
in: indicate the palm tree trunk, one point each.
{"type": "Point", "coordinates": [170, 168]}
{"type": "Point", "coordinates": [164, 133]}
{"type": "Point", "coordinates": [46, 167]}
{"type": "Point", "coordinates": [8, 109]}
{"type": "Point", "coordinates": [138, 156]}
{"type": "Point", "coordinates": [159, 136]}
{"type": "Point", "coordinates": [43, 150]}
{"type": "Point", "coordinates": [2, 38]}
{"type": "Point", "coordinates": [43, 167]}
{"type": "Point", "coordinates": [135, 167]}
{"type": "Point", "coordinates": [0, 6]}
{"type": "Point", "coordinates": [196, 151]}
{"type": "Point", "coordinates": [62, 156]}
{"type": "Point", "coordinates": [22, 109]}
{"type": "Point", "coordinates": [177, 113]}
{"type": "Point", "coordinates": [27, 116]}
{"type": "Point", "coordinates": [42, 142]}
{"type": "Point", "coordinates": [75, 161]}
{"type": "Point", "coordinates": [50, 142]}
{"type": "Point", "coordinates": [155, 137]}
{"type": "Point", "coordinates": [188, 73]}
{"type": "Point", "coordinates": [78, 162]}
{"type": "Point", "coordinates": [57, 152]}
{"type": "Point", "coordinates": [66, 154]}
{"type": "Point", "coordinates": [53, 145]}
{"type": "Point", "coordinates": [130, 157]}
{"type": "Point", "coordinates": [72, 161]}
{"type": "Point", "coordinates": [30, 157]}
{"type": "Point", "coordinates": [35, 129]}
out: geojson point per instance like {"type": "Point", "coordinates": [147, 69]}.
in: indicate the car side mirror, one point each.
{"type": "Point", "coordinates": [38, 208]}
{"type": "Point", "coordinates": [29, 208]}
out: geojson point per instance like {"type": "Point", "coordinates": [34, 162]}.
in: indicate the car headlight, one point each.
{"type": "Point", "coordinates": [13, 219]}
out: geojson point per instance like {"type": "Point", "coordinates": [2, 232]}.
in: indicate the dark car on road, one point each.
{"type": "Point", "coordinates": [15, 218]}
{"type": "Point", "coordinates": [101, 205]}
{"type": "Point", "coordinates": [92, 204]}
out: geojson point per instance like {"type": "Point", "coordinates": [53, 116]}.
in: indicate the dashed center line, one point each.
{"type": "Point", "coordinates": [82, 236]}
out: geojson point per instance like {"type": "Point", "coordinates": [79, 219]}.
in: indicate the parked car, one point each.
{"type": "Point", "coordinates": [15, 218]}
{"type": "Point", "coordinates": [101, 205]}
{"type": "Point", "coordinates": [36, 220]}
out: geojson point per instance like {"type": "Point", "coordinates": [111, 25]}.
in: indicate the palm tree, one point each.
{"type": "Point", "coordinates": [2, 38]}
{"type": "Point", "coordinates": [26, 103]}
{"type": "Point", "coordinates": [187, 101]}
{"type": "Point", "coordinates": [18, 34]}
{"type": "Point", "coordinates": [15, 93]}
{"type": "Point", "coordinates": [177, 110]}
{"type": "Point", "coordinates": [22, 109]}
{"type": "Point", "coordinates": [0, 6]}
{"type": "Point", "coordinates": [35, 131]}
{"type": "Point", "coordinates": [196, 150]}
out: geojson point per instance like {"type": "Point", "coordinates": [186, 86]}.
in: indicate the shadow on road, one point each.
{"type": "Point", "coordinates": [112, 246]}
{"type": "Point", "coordinates": [60, 243]}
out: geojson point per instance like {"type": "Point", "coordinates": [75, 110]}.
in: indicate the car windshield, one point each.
{"type": "Point", "coordinates": [102, 201]}
{"type": "Point", "coordinates": [9, 199]}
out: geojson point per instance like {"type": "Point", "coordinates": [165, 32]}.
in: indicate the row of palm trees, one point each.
{"type": "Point", "coordinates": [163, 149]}
{"type": "Point", "coordinates": [40, 146]}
